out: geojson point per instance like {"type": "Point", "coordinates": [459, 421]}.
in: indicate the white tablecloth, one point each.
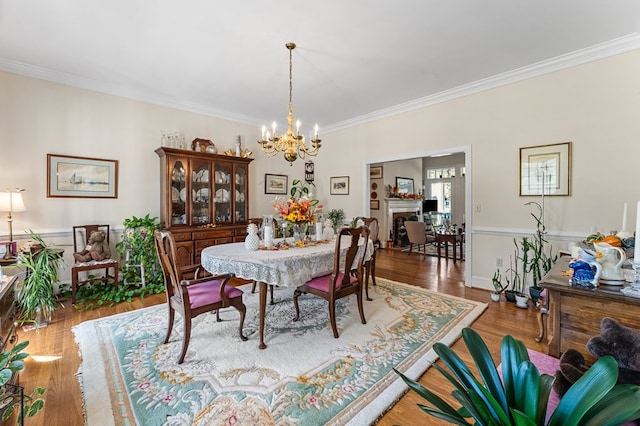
{"type": "Point", "coordinates": [289, 268]}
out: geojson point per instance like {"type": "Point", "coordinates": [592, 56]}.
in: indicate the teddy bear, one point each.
{"type": "Point", "coordinates": [97, 249]}
{"type": "Point", "coordinates": [615, 339]}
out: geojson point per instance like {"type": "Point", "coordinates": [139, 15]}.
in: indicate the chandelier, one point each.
{"type": "Point", "coordinates": [291, 144]}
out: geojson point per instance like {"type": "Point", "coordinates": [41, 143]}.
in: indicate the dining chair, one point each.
{"type": "Point", "coordinates": [258, 222]}
{"type": "Point", "coordinates": [416, 234]}
{"type": "Point", "coordinates": [192, 297]}
{"type": "Point", "coordinates": [81, 236]}
{"type": "Point", "coordinates": [339, 283]}
{"type": "Point", "coordinates": [370, 264]}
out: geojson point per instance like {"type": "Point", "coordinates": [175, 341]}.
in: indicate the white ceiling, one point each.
{"type": "Point", "coordinates": [355, 60]}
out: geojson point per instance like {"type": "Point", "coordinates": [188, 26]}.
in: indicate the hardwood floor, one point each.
{"type": "Point", "coordinates": [63, 398]}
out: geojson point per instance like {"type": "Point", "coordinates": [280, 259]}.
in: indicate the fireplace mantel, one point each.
{"type": "Point", "coordinates": [398, 205]}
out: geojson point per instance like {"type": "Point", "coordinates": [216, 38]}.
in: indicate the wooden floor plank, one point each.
{"type": "Point", "coordinates": [63, 398]}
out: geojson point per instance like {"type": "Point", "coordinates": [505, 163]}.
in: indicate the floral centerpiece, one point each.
{"type": "Point", "coordinates": [299, 209]}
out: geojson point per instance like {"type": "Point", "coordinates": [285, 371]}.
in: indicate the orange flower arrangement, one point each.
{"type": "Point", "coordinates": [299, 208]}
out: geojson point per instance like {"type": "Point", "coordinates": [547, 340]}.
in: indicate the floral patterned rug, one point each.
{"type": "Point", "coordinates": [304, 377]}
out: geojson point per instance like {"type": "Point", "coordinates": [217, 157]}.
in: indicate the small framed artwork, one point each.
{"type": "Point", "coordinates": [405, 185]}
{"type": "Point", "coordinates": [339, 185]}
{"type": "Point", "coordinates": [546, 169]}
{"type": "Point", "coordinates": [81, 177]}
{"type": "Point", "coordinates": [275, 184]}
{"type": "Point", "coordinates": [375, 172]}
{"type": "Point", "coordinates": [374, 204]}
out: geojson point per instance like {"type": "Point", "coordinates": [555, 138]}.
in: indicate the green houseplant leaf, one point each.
{"type": "Point", "coordinates": [593, 400]}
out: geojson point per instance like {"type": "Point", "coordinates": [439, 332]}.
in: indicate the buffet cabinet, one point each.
{"type": "Point", "coordinates": [575, 313]}
{"type": "Point", "coordinates": [204, 199]}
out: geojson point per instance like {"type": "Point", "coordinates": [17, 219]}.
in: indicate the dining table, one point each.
{"type": "Point", "coordinates": [290, 267]}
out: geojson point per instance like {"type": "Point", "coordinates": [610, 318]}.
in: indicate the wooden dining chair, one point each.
{"type": "Point", "coordinates": [81, 235]}
{"type": "Point", "coordinates": [339, 284]}
{"type": "Point", "coordinates": [370, 264]}
{"type": "Point", "coordinates": [192, 297]}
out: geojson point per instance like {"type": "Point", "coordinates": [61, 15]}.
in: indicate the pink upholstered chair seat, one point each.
{"type": "Point", "coordinates": [323, 283]}
{"type": "Point", "coordinates": [208, 292]}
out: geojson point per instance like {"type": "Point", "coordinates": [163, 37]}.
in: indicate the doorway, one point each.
{"type": "Point", "coordinates": [464, 192]}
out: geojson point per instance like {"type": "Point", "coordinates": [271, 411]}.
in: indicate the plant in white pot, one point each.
{"type": "Point", "coordinates": [498, 286]}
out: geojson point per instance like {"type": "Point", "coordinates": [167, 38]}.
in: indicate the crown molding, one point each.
{"type": "Point", "coordinates": [579, 57]}
{"type": "Point", "coordinates": [128, 92]}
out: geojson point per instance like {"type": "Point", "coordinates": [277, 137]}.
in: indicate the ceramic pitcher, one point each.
{"type": "Point", "coordinates": [611, 258]}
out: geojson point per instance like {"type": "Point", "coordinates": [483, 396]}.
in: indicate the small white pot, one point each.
{"type": "Point", "coordinates": [495, 297]}
{"type": "Point", "coordinates": [521, 301]}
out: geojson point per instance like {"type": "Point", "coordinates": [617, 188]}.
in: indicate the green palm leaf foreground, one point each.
{"type": "Point", "coordinates": [520, 397]}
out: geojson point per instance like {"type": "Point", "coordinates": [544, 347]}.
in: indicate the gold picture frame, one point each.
{"type": "Point", "coordinates": [546, 170]}
{"type": "Point", "coordinates": [81, 177]}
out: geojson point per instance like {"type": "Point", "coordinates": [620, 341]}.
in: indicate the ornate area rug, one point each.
{"type": "Point", "coordinates": [304, 377]}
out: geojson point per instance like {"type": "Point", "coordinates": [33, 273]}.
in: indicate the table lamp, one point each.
{"type": "Point", "coordinates": [11, 202]}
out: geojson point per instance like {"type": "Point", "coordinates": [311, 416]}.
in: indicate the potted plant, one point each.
{"type": "Point", "coordinates": [498, 286]}
{"type": "Point", "coordinates": [337, 218]}
{"type": "Point", "coordinates": [137, 250]}
{"type": "Point", "coordinates": [11, 362]}
{"type": "Point", "coordinates": [521, 396]}
{"type": "Point", "coordinates": [530, 263]}
{"type": "Point", "coordinates": [35, 297]}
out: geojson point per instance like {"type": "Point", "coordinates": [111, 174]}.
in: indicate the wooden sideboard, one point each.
{"type": "Point", "coordinates": [575, 313]}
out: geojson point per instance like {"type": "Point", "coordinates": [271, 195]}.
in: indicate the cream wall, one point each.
{"type": "Point", "coordinates": [594, 105]}
{"type": "Point", "coordinates": [38, 117]}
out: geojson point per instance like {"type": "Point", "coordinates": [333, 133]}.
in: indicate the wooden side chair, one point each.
{"type": "Point", "coordinates": [370, 264]}
{"type": "Point", "coordinates": [81, 235]}
{"type": "Point", "coordinates": [339, 283]}
{"type": "Point", "coordinates": [193, 297]}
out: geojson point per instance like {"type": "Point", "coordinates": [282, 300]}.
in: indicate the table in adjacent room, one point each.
{"type": "Point", "coordinates": [456, 240]}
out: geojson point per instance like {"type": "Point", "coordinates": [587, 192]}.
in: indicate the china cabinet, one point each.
{"type": "Point", "coordinates": [204, 199]}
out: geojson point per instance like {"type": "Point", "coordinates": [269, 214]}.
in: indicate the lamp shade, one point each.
{"type": "Point", "coordinates": [11, 202]}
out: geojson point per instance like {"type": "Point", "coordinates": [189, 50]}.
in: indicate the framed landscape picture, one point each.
{"type": "Point", "coordinates": [339, 185]}
{"type": "Point", "coordinates": [375, 172]}
{"type": "Point", "coordinates": [405, 185]}
{"type": "Point", "coordinates": [275, 184]}
{"type": "Point", "coordinates": [81, 177]}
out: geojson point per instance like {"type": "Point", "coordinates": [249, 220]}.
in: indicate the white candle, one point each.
{"type": "Point", "coordinates": [636, 249]}
{"type": "Point", "coordinates": [318, 231]}
{"type": "Point", "coordinates": [624, 218]}
{"type": "Point", "coordinates": [268, 235]}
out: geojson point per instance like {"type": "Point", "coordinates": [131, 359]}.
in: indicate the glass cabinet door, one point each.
{"type": "Point", "coordinates": [200, 195]}
{"type": "Point", "coordinates": [178, 192]}
{"type": "Point", "coordinates": [240, 199]}
{"type": "Point", "coordinates": [223, 186]}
